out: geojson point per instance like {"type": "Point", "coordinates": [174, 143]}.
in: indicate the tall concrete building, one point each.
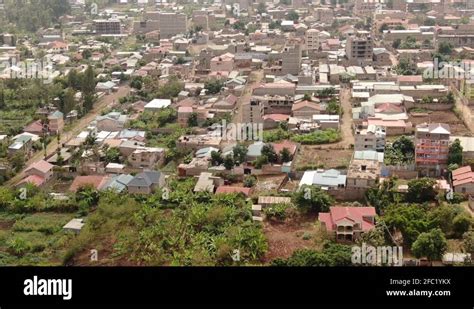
{"type": "Point", "coordinates": [360, 49]}
{"type": "Point", "coordinates": [431, 148]}
{"type": "Point", "coordinates": [107, 26]}
{"type": "Point", "coordinates": [172, 24]}
{"type": "Point", "coordinates": [169, 24]}
{"type": "Point", "coordinates": [291, 59]}
{"type": "Point", "coordinates": [253, 111]}
{"type": "Point", "coordinates": [312, 39]}
{"type": "Point", "coordinates": [143, 27]}
{"type": "Point", "coordinates": [367, 7]}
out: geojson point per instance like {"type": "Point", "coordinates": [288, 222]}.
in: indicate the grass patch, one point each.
{"type": "Point", "coordinates": [42, 222]}
{"type": "Point", "coordinates": [318, 137]}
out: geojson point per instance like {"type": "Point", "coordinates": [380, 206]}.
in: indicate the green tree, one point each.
{"type": "Point", "coordinates": [86, 54]}
{"type": "Point", "coordinates": [213, 86]}
{"type": "Point", "coordinates": [445, 48]}
{"type": "Point", "coordinates": [229, 162]}
{"type": "Point", "coordinates": [421, 190]}
{"type": "Point", "coordinates": [431, 245]}
{"type": "Point", "coordinates": [68, 101]}
{"type": "Point", "coordinates": [333, 107]}
{"type": "Point", "coordinates": [170, 89]}
{"type": "Point", "coordinates": [383, 27]}
{"type": "Point", "coordinates": [461, 224]}
{"type": "Point", "coordinates": [216, 158]}
{"type": "Point", "coordinates": [468, 242]}
{"type": "Point", "coordinates": [269, 152]}
{"type": "Point", "coordinates": [409, 219]}
{"type": "Point", "coordinates": [311, 198]}
{"type": "Point", "coordinates": [192, 120]}
{"type": "Point", "coordinates": [87, 195]}
{"type": "Point", "coordinates": [383, 196]}
{"type": "Point", "coordinates": [292, 15]}
{"type": "Point", "coordinates": [88, 102]}
{"type": "Point", "coordinates": [112, 155]}
{"type": "Point", "coordinates": [18, 161]}
{"type": "Point", "coordinates": [285, 155]}
{"type": "Point", "coordinates": [74, 79]}
{"type": "Point", "coordinates": [136, 83]}
{"type": "Point", "coordinates": [249, 181]}
{"type": "Point", "coordinates": [442, 217]}
{"type": "Point", "coordinates": [260, 161]}
{"type": "Point", "coordinates": [455, 153]}
{"type": "Point", "coordinates": [3, 103]}
{"type": "Point", "coordinates": [240, 153]}
{"type": "Point", "coordinates": [88, 81]}
{"type": "Point", "coordinates": [396, 43]}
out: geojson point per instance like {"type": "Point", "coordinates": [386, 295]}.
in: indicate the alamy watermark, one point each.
{"type": "Point", "coordinates": [449, 70]}
{"type": "Point", "coordinates": [240, 131]}
{"type": "Point", "coordinates": [42, 69]}
{"type": "Point", "coordinates": [380, 255]}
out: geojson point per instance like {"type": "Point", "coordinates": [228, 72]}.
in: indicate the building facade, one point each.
{"type": "Point", "coordinates": [431, 148]}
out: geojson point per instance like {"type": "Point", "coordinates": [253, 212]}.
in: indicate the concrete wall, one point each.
{"type": "Point", "coordinates": [434, 106]}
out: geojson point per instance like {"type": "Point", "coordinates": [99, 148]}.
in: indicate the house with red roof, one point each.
{"type": "Point", "coordinates": [32, 180]}
{"type": "Point", "coordinates": [348, 223]}
{"type": "Point", "coordinates": [234, 189]}
{"type": "Point", "coordinates": [37, 174]}
{"type": "Point", "coordinates": [463, 180]}
{"type": "Point", "coordinates": [271, 121]}
{"type": "Point", "coordinates": [41, 168]}
{"type": "Point", "coordinates": [96, 181]}
{"type": "Point", "coordinates": [306, 109]}
{"type": "Point", "coordinates": [58, 47]}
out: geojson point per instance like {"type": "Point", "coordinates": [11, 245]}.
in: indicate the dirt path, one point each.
{"type": "Point", "coordinates": [105, 102]}
{"type": "Point", "coordinates": [346, 123]}
{"type": "Point", "coordinates": [286, 237]}
{"type": "Point", "coordinates": [254, 79]}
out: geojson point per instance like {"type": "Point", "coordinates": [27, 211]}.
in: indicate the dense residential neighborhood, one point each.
{"type": "Point", "coordinates": [236, 132]}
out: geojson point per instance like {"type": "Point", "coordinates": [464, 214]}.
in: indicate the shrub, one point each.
{"type": "Point", "coordinates": [276, 212]}
{"type": "Point", "coordinates": [318, 137]}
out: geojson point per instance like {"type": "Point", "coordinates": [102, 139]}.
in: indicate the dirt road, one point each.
{"type": "Point", "coordinates": [254, 79]}
{"type": "Point", "coordinates": [105, 102]}
{"type": "Point", "coordinates": [346, 123]}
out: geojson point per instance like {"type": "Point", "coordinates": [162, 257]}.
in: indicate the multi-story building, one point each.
{"type": "Point", "coordinates": [145, 26]}
{"type": "Point", "coordinates": [431, 148]}
{"type": "Point", "coordinates": [348, 223]}
{"type": "Point", "coordinates": [360, 49]}
{"type": "Point", "coordinates": [107, 26]}
{"type": "Point", "coordinates": [252, 112]}
{"type": "Point", "coordinates": [291, 60]}
{"type": "Point", "coordinates": [367, 7]}
{"type": "Point", "coordinates": [312, 40]}
{"type": "Point", "coordinates": [172, 24]}
{"type": "Point", "coordinates": [371, 138]}
{"type": "Point", "coordinates": [259, 106]}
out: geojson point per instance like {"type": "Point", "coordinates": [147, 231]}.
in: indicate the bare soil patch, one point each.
{"type": "Point", "coordinates": [313, 156]}
{"type": "Point", "coordinates": [457, 126]}
{"type": "Point", "coordinates": [301, 232]}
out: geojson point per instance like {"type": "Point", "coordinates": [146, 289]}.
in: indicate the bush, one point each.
{"type": "Point", "coordinates": [318, 137]}
{"type": "Point", "coordinates": [45, 223]}
{"type": "Point", "coordinates": [276, 212]}
{"type": "Point", "coordinates": [249, 181]}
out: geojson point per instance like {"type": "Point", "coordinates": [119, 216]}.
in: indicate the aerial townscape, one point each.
{"type": "Point", "coordinates": [236, 132]}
